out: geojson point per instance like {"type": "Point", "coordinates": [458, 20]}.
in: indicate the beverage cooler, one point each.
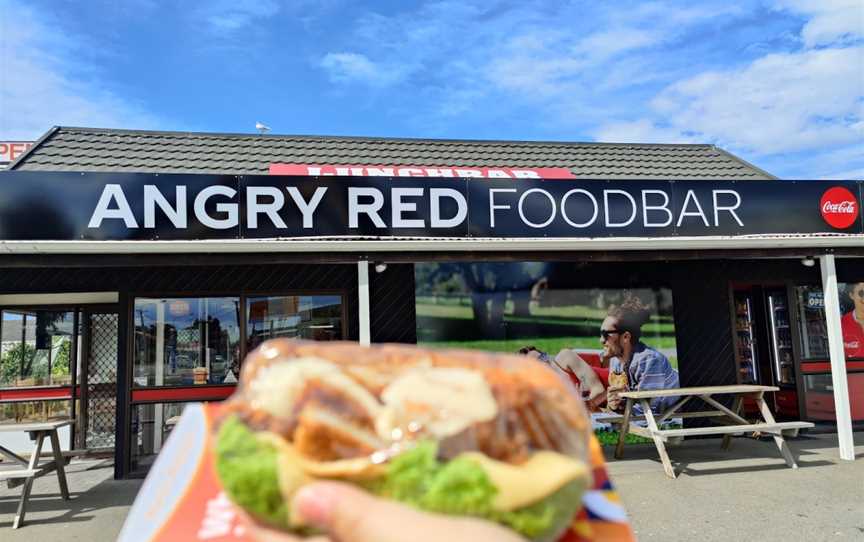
{"type": "Point", "coordinates": [745, 339]}
{"type": "Point", "coordinates": [764, 345]}
{"type": "Point", "coordinates": [815, 368]}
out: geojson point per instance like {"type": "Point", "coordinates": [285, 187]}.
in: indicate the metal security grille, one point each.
{"type": "Point", "coordinates": [101, 381]}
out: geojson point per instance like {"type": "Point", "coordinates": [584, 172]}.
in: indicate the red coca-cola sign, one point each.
{"type": "Point", "coordinates": [839, 207]}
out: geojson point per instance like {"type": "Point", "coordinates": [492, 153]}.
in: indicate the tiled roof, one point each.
{"type": "Point", "coordinates": [91, 149]}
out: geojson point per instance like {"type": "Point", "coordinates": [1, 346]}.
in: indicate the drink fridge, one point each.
{"type": "Point", "coordinates": [745, 338]}
{"type": "Point", "coordinates": [764, 352]}
{"type": "Point", "coordinates": [817, 385]}
{"type": "Point", "coordinates": [782, 355]}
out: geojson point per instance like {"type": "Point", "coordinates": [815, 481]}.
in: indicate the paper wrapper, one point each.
{"type": "Point", "coordinates": [182, 499]}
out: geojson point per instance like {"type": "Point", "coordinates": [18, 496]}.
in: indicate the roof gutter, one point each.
{"type": "Point", "coordinates": [823, 243]}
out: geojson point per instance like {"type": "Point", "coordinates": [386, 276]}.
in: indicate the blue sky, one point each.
{"type": "Point", "coordinates": [778, 82]}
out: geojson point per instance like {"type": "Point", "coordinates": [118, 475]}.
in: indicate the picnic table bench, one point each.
{"type": "Point", "coordinates": [730, 419]}
{"type": "Point", "coordinates": [34, 468]}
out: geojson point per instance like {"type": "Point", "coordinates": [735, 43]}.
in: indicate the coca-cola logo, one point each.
{"type": "Point", "coordinates": [839, 207]}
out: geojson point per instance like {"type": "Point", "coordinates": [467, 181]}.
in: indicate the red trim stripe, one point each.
{"type": "Point", "coordinates": [825, 367]}
{"type": "Point", "coordinates": [191, 393]}
{"type": "Point", "coordinates": [51, 393]}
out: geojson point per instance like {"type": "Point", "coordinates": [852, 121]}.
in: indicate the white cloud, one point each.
{"type": "Point", "coordinates": [604, 45]}
{"type": "Point", "coordinates": [357, 67]}
{"type": "Point", "coordinates": [779, 103]}
{"type": "Point", "coordinates": [44, 82]}
{"type": "Point", "coordinates": [641, 131]}
{"type": "Point", "coordinates": [391, 49]}
{"type": "Point", "coordinates": [842, 162]}
{"type": "Point", "coordinates": [229, 16]}
{"type": "Point", "coordinates": [849, 175]}
{"type": "Point", "coordinates": [551, 64]}
{"type": "Point", "coordinates": [830, 21]}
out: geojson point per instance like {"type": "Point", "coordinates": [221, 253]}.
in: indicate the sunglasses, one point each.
{"type": "Point", "coordinates": [606, 332]}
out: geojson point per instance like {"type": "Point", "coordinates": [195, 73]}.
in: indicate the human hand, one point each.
{"type": "Point", "coordinates": [613, 397]}
{"type": "Point", "coordinates": [348, 514]}
{"type": "Point", "coordinates": [593, 403]}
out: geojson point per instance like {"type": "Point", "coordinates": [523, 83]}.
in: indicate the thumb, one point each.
{"type": "Point", "coordinates": [349, 514]}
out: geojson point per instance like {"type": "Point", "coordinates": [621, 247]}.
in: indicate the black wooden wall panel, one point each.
{"type": "Point", "coordinates": [392, 310]}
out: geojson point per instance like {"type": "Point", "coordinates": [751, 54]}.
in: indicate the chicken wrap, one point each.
{"type": "Point", "coordinates": [497, 437]}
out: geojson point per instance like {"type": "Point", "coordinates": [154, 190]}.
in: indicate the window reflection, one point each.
{"type": "Point", "coordinates": [813, 333]}
{"type": "Point", "coordinates": [315, 317]}
{"type": "Point", "coordinates": [36, 348]}
{"type": "Point", "coordinates": [186, 341]}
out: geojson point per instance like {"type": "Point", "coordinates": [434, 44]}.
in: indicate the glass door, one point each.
{"type": "Point", "coordinates": [745, 348]}
{"type": "Point", "coordinates": [782, 362]}
{"type": "Point", "coordinates": [811, 323]}
{"type": "Point", "coordinates": [185, 349]}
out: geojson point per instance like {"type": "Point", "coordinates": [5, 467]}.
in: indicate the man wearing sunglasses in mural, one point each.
{"type": "Point", "coordinates": [627, 364]}
{"type": "Point", "coordinates": [633, 365]}
{"type": "Point", "coordinates": [852, 323]}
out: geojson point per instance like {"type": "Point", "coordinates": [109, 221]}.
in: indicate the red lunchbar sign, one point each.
{"type": "Point", "coordinates": [343, 170]}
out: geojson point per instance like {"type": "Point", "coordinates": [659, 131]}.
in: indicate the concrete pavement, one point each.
{"type": "Point", "coordinates": [95, 513]}
{"type": "Point", "coordinates": [747, 493]}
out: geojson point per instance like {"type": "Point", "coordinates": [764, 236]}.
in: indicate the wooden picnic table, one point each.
{"type": "Point", "coordinates": [729, 419]}
{"type": "Point", "coordinates": [33, 468]}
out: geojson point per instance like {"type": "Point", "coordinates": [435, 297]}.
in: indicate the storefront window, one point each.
{"type": "Point", "coordinates": [811, 322]}
{"type": "Point", "coordinates": [315, 317]}
{"type": "Point", "coordinates": [36, 348]}
{"type": "Point", "coordinates": [35, 411]}
{"type": "Point", "coordinates": [814, 334]}
{"type": "Point", "coordinates": [186, 341]}
{"type": "Point", "coordinates": [32, 412]}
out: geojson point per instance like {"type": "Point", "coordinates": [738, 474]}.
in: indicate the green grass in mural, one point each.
{"type": "Point", "coordinates": [610, 438]}
{"type": "Point", "coordinates": [447, 322]}
{"type": "Point", "coordinates": [445, 311]}
{"type": "Point", "coordinates": [540, 315]}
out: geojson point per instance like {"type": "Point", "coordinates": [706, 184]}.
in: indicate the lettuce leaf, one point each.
{"type": "Point", "coordinates": [461, 487]}
{"type": "Point", "coordinates": [248, 471]}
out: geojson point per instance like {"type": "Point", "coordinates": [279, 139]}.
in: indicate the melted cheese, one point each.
{"type": "Point", "coordinates": [522, 485]}
{"type": "Point", "coordinates": [444, 401]}
{"type": "Point", "coordinates": [277, 387]}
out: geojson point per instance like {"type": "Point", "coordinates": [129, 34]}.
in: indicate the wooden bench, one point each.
{"type": "Point", "coordinates": [730, 420]}
{"type": "Point", "coordinates": [781, 428]}
{"type": "Point", "coordinates": [33, 467]}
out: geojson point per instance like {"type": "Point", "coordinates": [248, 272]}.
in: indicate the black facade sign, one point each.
{"type": "Point", "coordinates": [124, 206]}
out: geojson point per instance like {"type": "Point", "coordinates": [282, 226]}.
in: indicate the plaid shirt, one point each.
{"type": "Point", "coordinates": [649, 370]}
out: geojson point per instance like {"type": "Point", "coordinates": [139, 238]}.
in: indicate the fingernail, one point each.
{"type": "Point", "coordinates": [312, 506]}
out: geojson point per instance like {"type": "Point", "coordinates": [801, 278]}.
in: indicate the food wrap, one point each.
{"type": "Point", "coordinates": [497, 437]}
